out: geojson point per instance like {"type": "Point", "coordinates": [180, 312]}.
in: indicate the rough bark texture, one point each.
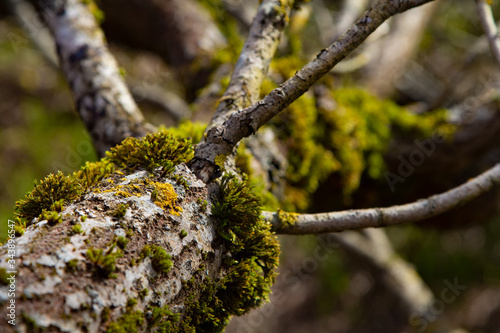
{"type": "Point", "coordinates": [99, 92]}
{"type": "Point", "coordinates": [59, 288]}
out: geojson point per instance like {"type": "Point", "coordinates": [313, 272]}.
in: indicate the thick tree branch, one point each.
{"type": "Point", "coordinates": [489, 27]}
{"type": "Point", "coordinates": [99, 92]}
{"type": "Point", "coordinates": [221, 139]}
{"type": "Point", "coordinates": [382, 217]}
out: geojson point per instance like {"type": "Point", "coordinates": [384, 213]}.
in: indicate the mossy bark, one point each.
{"type": "Point", "coordinates": [60, 286]}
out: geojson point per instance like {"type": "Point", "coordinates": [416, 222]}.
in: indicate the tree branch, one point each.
{"type": "Point", "coordinates": [253, 62]}
{"type": "Point", "coordinates": [399, 276]}
{"type": "Point", "coordinates": [489, 27]}
{"type": "Point", "coordinates": [221, 139]}
{"type": "Point", "coordinates": [284, 223]}
{"type": "Point", "coordinates": [99, 92]}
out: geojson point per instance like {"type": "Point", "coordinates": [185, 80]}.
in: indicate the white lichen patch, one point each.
{"type": "Point", "coordinates": [77, 300]}
{"type": "Point", "coordinates": [47, 286]}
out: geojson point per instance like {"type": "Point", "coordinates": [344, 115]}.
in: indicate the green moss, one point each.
{"type": "Point", "coordinates": [361, 127]}
{"type": "Point", "coordinates": [106, 311]}
{"type": "Point", "coordinates": [183, 233]}
{"type": "Point", "coordinates": [71, 265]}
{"type": "Point", "coordinates": [219, 161]}
{"type": "Point", "coordinates": [129, 322]}
{"type": "Point", "coordinates": [189, 130]}
{"type": "Point", "coordinates": [155, 150]}
{"type": "Point", "coordinates": [93, 172]}
{"type": "Point", "coordinates": [180, 180]}
{"type": "Point", "coordinates": [83, 218]}
{"type": "Point", "coordinates": [203, 204]}
{"type": "Point", "coordinates": [254, 254]}
{"type": "Point", "coordinates": [160, 259]}
{"type": "Point", "coordinates": [143, 293]}
{"type": "Point", "coordinates": [53, 188]}
{"type": "Point", "coordinates": [287, 219]}
{"type": "Point", "coordinates": [18, 230]}
{"type": "Point", "coordinates": [122, 242]}
{"type": "Point", "coordinates": [56, 190]}
{"type": "Point", "coordinates": [76, 229]}
{"type": "Point", "coordinates": [3, 276]}
{"type": "Point", "coordinates": [163, 320]}
{"type": "Point", "coordinates": [348, 136]}
{"type": "Point", "coordinates": [119, 211]}
{"type": "Point", "coordinates": [104, 262]}
{"type": "Point", "coordinates": [52, 218]}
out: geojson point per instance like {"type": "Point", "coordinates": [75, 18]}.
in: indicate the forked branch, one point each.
{"type": "Point", "coordinates": [222, 139]}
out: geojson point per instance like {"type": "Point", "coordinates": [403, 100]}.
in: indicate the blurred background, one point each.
{"type": "Point", "coordinates": [411, 113]}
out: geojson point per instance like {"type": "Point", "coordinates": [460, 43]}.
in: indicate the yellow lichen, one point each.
{"type": "Point", "coordinates": [164, 196]}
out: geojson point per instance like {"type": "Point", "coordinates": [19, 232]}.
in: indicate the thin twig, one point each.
{"type": "Point", "coordinates": [489, 27]}
{"type": "Point", "coordinates": [222, 139]}
{"type": "Point", "coordinates": [388, 216]}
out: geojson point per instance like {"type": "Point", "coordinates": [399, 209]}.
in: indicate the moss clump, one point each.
{"type": "Point", "coordinates": [56, 190]}
{"type": "Point", "coordinates": [254, 253]}
{"type": "Point", "coordinates": [164, 196]}
{"type": "Point", "coordinates": [18, 230]}
{"type": "Point", "coordinates": [187, 129]}
{"type": "Point", "coordinates": [93, 172]}
{"type": "Point", "coordinates": [143, 293]}
{"type": "Point", "coordinates": [119, 211]}
{"type": "Point", "coordinates": [52, 218]}
{"type": "Point", "coordinates": [46, 192]}
{"type": "Point", "coordinates": [183, 233]}
{"type": "Point", "coordinates": [129, 322]}
{"type": "Point", "coordinates": [254, 250]}
{"type": "Point", "coordinates": [203, 204]}
{"type": "Point", "coordinates": [287, 219]}
{"type": "Point", "coordinates": [155, 150]}
{"type": "Point", "coordinates": [122, 242]}
{"type": "Point", "coordinates": [160, 259]}
{"type": "Point", "coordinates": [104, 262]}
{"type": "Point", "coordinates": [71, 265]}
{"type": "Point", "coordinates": [344, 131]}
{"type": "Point", "coordinates": [77, 229]}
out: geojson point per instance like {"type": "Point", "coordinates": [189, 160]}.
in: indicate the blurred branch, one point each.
{"type": "Point", "coordinates": [40, 36]}
{"type": "Point", "coordinates": [99, 92]}
{"type": "Point", "coordinates": [351, 9]}
{"type": "Point", "coordinates": [399, 276]}
{"type": "Point", "coordinates": [169, 102]}
{"type": "Point", "coordinates": [489, 27]}
{"type": "Point", "coordinates": [391, 54]}
{"type": "Point", "coordinates": [222, 139]}
{"type": "Point", "coordinates": [382, 217]}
